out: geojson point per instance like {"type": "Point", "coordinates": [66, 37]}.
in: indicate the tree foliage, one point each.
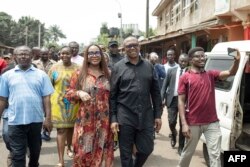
{"type": "Point", "coordinates": [103, 39]}
{"type": "Point", "coordinates": [26, 31]}
{"type": "Point", "coordinates": [104, 29]}
{"type": "Point", "coordinates": [54, 33]}
{"type": "Point", "coordinates": [5, 27]}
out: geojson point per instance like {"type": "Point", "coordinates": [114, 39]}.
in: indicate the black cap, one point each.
{"type": "Point", "coordinates": [113, 43]}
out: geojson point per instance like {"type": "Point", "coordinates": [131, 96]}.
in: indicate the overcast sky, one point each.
{"type": "Point", "coordinates": [80, 20]}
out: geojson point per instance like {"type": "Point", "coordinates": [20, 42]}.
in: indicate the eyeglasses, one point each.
{"type": "Point", "coordinates": [131, 46]}
{"type": "Point", "coordinates": [23, 55]}
{"type": "Point", "coordinates": [200, 56]}
{"type": "Point", "coordinates": [97, 53]}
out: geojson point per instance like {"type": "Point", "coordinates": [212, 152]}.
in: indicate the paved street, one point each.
{"type": "Point", "coordinates": [163, 155]}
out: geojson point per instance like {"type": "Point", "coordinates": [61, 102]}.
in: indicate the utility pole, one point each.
{"type": "Point", "coordinates": [39, 35]}
{"type": "Point", "coordinates": [26, 35]}
{"type": "Point", "coordinates": [147, 18]}
{"type": "Point", "coordinates": [120, 16]}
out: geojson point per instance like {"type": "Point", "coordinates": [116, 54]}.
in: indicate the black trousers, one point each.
{"type": "Point", "coordinates": [21, 137]}
{"type": "Point", "coordinates": [172, 115]}
{"type": "Point", "coordinates": [172, 120]}
{"type": "Point", "coordinates": [143, 140]}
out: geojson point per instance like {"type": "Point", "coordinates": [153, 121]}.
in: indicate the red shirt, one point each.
{"type": "Point", "coordinates": [3, 64]}
{"type": "Point", "coordinates": [200, 96]}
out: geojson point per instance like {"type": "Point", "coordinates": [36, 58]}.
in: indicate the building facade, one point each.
{"type": "Point", "coordinates": [183, 24]}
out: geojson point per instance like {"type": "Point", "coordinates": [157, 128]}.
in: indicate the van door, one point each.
{"type": "Point", "coordinates": [228, 107]}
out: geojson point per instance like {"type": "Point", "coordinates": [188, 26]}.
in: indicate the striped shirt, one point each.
{"type": "Point", "coordinates": [25, 91]}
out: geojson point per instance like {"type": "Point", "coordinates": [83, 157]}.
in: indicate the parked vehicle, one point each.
{"type": "Point", "coordinates": [232, 97]}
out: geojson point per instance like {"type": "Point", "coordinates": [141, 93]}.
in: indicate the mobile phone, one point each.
{"type": "Point", "coordinates": [232, 52]}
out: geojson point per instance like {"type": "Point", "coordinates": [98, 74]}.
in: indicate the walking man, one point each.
{"type": "Point", "coordinates": [170, 60]}
{"type": "Point", "coordinates": [197, 106]}
{"type": "Point", "coordinates": [159, 68]}
{"type": "Point", "coordinates": [28, 92]}
{"type": "Point", "coordinates": [170, 98]}
{"type": "Point", "coordinates": [44, 63]}
{"type": "Point", "coordinates": [135, 105]}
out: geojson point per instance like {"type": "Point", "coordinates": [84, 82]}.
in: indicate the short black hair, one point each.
{"type": "Point", "coordinates": [193, 50]}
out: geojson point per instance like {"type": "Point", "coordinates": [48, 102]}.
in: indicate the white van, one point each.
{"type": "Point", "coordinates": [232, 97]}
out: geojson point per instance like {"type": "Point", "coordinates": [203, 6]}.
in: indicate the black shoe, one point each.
{"type": "Point", "coordinates": [173, 141]}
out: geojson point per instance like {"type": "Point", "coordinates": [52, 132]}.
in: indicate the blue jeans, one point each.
{"type": "Point", "coordinates": [21, 137]}
{"type": "Point", "coordinates": [5, 133]}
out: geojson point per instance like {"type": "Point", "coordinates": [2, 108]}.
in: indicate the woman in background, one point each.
{"type": "Point", "coordinates": [63, 112]}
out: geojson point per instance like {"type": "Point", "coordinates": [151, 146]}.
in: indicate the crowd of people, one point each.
{"type": "Point", "coordinates": [103, 98]}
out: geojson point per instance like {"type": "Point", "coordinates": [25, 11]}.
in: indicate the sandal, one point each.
{"type": "Point", "coordinates": [70, 154]}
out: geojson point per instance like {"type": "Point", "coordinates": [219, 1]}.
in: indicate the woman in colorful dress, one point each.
{"type": "Point", "coordinates": [92, 137]}
{"type": "Point", "coordinates": [63, 112]}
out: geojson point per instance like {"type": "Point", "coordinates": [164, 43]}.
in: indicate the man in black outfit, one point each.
{"type": "Point", "coordinates": [114, 55]}
{"type": "Point", "coordinates": [169, 96]}
{"type": "Point", "coordinates": [135, 105]}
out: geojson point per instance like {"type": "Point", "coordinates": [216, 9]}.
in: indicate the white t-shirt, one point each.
{"type": "Point", "coordinates": [77, 59]}
{"type": "Point", "coordinates": [178, 75]}
{"type": "Point", "coordinates": [168, 66]}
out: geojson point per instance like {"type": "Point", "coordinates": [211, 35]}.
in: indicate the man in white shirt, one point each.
{"type": "Point", "coordinates": [76, 58]}
{"type": "Point", "coordinates": [170, 60]}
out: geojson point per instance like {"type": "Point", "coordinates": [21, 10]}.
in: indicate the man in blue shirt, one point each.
{"type": "Point", "coordinates": [28, 92]}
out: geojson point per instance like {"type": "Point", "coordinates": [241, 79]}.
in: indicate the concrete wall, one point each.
{"type": "Point", "coordinates": [236, 4]}
{"type": "Point", "coordinates": [204, 13]}
{"type": "Point", "coordinates": [235, 34]}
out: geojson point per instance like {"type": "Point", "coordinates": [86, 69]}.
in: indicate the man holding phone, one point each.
{"type": "Point", "coordinates": [196, 97]}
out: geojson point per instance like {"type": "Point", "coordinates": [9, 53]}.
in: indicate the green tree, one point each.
{"type": "Point", "coordinates": [128, 32]}
{"type": "Point", "coordinates": [5, 28]}
{"type": "Point", "coordinates": [151, 32]}
{"type": "Point", "coordinates": [54, 33]}
{"type": "Point", "coordinates": [103, 39]}
{"type": "Point", "coordinates": [104, 29]}
{"type": "Point", "coordinates": [26, 32]}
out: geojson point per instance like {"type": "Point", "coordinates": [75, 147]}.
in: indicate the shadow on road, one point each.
{"type": "Point", "coordinates": [162, 137]}
{"type": "Point", "coordinates": [160, 161]}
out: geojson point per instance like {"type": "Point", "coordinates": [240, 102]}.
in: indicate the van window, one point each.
{"type": "Point", "coordinates": [221, 64]}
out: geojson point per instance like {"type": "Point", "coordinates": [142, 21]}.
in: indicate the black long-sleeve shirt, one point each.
{"type": "Point", "coordinates": [135, 95]}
